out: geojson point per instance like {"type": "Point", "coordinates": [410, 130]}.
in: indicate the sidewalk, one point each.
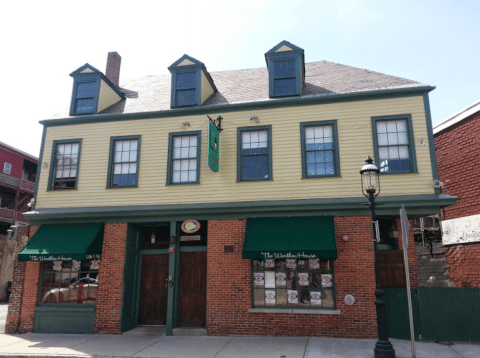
{"type": "Point", "coordinates": [81, 345]}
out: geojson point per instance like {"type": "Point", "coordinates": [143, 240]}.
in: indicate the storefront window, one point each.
{"type": "Point", "coordinates": [293, 283]}
{"type": "Point", "coordinates": [74, 282]}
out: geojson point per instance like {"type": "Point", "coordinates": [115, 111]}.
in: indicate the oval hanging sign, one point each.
{"type": "Point", "coordinates": [190, 226]}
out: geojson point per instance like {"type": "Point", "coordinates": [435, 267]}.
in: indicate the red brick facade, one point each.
{"type": "Point", "coordinates": [109, 297]}
{"type": "Point", "coordinates": [458, 156]}
{"type": "Point", "coordinates": [229, 287]}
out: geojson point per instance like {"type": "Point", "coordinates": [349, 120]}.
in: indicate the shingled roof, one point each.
{"type": "Point", "coordinates": [323, 78]}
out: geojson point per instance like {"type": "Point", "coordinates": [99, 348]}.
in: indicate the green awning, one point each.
{"type": "Point", "coordinates": [64, 243]}
{"type": "Point", "coordinates": [290, 237]}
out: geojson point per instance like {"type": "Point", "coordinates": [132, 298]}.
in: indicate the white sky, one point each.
{"type": "Point", "coordinates": [433, 42]}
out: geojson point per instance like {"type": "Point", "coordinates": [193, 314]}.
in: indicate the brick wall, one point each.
{"type": "Point", "coordinates": [23, 300]}
{"type": "Point", "coordinates": [458, 156]}
{"type": "Point", "coordinates": [110, 279]}
{"type": "Point", "coordinates": [229, 287]}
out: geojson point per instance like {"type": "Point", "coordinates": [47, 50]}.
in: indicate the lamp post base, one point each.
{"type": "Point", "coordinates": [384, 349]}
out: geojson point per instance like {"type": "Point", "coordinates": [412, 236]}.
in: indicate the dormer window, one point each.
{"type": "Point", "coordinates": [92, 90]}
{"type": "Point", "coordinates": [286, 70]}
{"type": "Point", "coordinates": [186, 88]}
{"type": "Point", "coordinates": [85, 94]}
{"type": "Point", "coordinates": [192, 85]}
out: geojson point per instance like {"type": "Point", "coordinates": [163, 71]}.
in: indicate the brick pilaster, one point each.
{"type": "Point", "coordinates": [110, 279]}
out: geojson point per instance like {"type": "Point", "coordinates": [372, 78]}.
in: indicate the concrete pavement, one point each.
{"type": "Point", "coordinates": [154, 346]}
{"type": "Point", "coordinates": [82, 345]}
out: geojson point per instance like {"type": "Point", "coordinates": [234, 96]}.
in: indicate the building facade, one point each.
{"type": "Point", "coordinates": [229, 201]}
{"type": "Point", "coordinates": [17, 183]}
{"type": "Point", "coordinates": [457, 142]}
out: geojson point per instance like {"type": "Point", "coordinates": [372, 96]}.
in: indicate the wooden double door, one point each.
{"type": "Point", "coordinates": [191, 290]}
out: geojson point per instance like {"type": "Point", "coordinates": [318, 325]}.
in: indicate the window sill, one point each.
{"type": "Point", "coordinates": [294, 310]}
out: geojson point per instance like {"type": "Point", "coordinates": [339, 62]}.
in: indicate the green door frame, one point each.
{"type": "Point", "coordinates": [173, 274]}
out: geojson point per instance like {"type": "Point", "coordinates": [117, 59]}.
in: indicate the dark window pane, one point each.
{"type": "Point", "coordinates": [283, 69]}
{"type": "Point", "coordinates": [284, 86]}
{"type": "Point", "coordinates": [263, 150]}
{"type": "Point", "coordinates": [185, 97]}
{"type": "Point", "coordinates": [186, 80]}
{"type": "Point", "coordinates": [86, 89]}
{"type": "Point", "coordinates": [84, 106]}
{"type": "Point", "coordinates": [311, 157]}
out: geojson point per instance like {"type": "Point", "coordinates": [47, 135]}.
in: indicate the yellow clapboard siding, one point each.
{"type": "Point", "coordinates": [206, 89]}
{"type": "Point", "coordinates": [355, 143]}
{"type": "Point", "coordinates": [107, 97]}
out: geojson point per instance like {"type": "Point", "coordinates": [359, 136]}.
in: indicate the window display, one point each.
{"type": "Point", "coordinates": [293, 283]}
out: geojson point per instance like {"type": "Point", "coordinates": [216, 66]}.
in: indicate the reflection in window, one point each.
{"type": "Point", "coordinates": [125, 159]}
{"type": "Point", "coordinates": [319, 150]}
{"type": "Point", "coordinates": [254, 155]}
{"type": "Point", "coordinates": [74, 282]}
{"type": "Point", "coordinates": [393, 146]}
{"type": "Point", "coordinates": [293, 283]}
{"type": "Point", "coordinates": [66, 165]}
{"type": "Point", "coordinates": [185, 159]}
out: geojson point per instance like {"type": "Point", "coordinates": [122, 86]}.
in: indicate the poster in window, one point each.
{"type": "Point", "coordinates": [57, 265]}
{"type": "Point", "coordinates": [270, 297]}
{"type": "Point", "coordinates": [293, 296]}
{"type": "Point", "coordinates": [291, 264]}
{"type": "Point", "coordinates": [314, 264]}
{"type": "Point", "coordinates": [303, 278]}
{"type": "Point", "coordinates": [269, 263]}
{"type": "Point", "coordinates": [259, 279]}
{"type": "Point", "coordinates": [281, 279]}
{"type": "Point", "coordinates": [326, 280]}
{"type": "Point", "coordinates": [315, 298]}
{"type": "Point", "coordinates": [76, 265]}
{"type": "Point", "coordinates": [94, 264]}
{"type": "Point", "coordinates": [270, 279]}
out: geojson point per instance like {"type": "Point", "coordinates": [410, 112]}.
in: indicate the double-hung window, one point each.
{"type": "Point", "coordinates": [124, 158]}
{"type": "Point", "coordinates": [320, 154]}
{"type": "Point", "coordinates": [254, 154]}
{"type": "Point", "coordinates": [184, 158]}
{"type": "Point", "coordinates": [84, 102]}
{"type": "Point", "coordinates": [64, 164]}
{"type": "Point", "coordinates": [394, 146]}
{"type": "Point", "coordinates": [186, 88]}
{"type": "Point", "coordinates": [284, 77]}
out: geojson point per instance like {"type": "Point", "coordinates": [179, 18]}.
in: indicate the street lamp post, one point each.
{"type": "Point", "coordinates": [371, 189]}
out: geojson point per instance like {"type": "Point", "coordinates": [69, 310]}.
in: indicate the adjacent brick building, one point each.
{"type": "Point", "coordinates": [228, 201]}
{"type": "Point", "coordinates": [457, 143]}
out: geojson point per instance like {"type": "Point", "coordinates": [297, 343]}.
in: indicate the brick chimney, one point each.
{"type": "Point", "coordinates": [113, 67]}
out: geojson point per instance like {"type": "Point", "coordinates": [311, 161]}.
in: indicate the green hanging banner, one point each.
{"type": "Point", "coordinates": [213, 145]}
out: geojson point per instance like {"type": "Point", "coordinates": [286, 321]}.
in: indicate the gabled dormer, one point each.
{"type": "Point", "coordinates": [191, 82]}
{"type": "Point", "coordinates": [286, 70]}
{"type": "Point", "coordinates": [92, 90]}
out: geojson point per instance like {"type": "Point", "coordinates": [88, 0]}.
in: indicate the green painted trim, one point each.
{"type": "Point", "coordinates": [154, 252]}
{"type": "Point", "coordinates": [413, 158]}
{"type": "Point", "coordinates": [424, 204]}
{"type": "Point", "coordinates": [171, 303]}
{"type": "Point", "coordinates": [237, 107]}
{"type": "Point", "coordinates": [431, 139]}
{"type": "Point", "coordinates": [110, 161]}
{"type": "Point", "coordinates": [45, 307]}
{"type": "Point", "coordinates": [332, 123]}
{"type": "Point", "coordinates": [171, 136]}
{"type": "Point", "coordinates": [240, 130]}
{"type": "Point", "coordinates": [78, 321]}
{"type": "Point", "coordinates": [193, 249]}
{"type": "Point", "coordinates": [176, 286]}
{"type": "Point", "coordinates": [53, 161]}
{"type": "Point", "coordinates": [40, 162]}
